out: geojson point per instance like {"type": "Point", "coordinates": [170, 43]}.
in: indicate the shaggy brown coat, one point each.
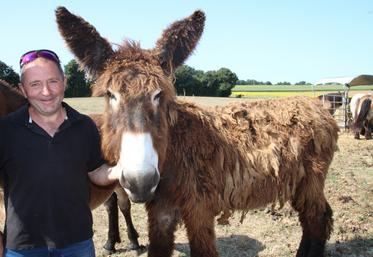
{"type": "Point", "coordinates": [250, 154]}
{"type": "Point", "coordinates": [237, 157]}
{"type": "Point", "coordinates": [10, 98]}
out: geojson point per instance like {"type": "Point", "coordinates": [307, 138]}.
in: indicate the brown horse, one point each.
{"type": "Point", "coordinates": [362, 114]}
{"type": "Point", "coordinates": [10, 100]}
{"type": "Point", "coordinates": [190, 164]}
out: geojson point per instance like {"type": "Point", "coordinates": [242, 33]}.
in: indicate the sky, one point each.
{"type": "Point", "coordinates": [265, 40]}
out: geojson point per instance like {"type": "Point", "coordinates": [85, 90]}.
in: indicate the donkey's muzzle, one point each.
{"type": "Point", "coordinates": [140, 186]}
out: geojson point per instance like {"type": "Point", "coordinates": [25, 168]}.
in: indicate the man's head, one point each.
{"type": "Point", "coordinates": [42, 81]}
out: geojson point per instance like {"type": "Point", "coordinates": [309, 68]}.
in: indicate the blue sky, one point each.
{"type": "Point", "coordinates": [275, 40]}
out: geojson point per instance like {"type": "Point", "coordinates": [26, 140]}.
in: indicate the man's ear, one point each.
{"type": "Point", "coordinates": [64, 83]}
{"type": "Point", "coordinates": [22, 89]}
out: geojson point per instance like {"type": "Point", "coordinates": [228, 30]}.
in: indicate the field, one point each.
{"type": "Point", "coordinates": [263, 91]}
{"type": "Point", "coordinates": [349, 190]}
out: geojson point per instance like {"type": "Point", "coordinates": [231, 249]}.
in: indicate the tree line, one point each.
{"type": "Point", "coordinates": [249, 82]}
{"type": "Point", "coordinates": [188, 81]}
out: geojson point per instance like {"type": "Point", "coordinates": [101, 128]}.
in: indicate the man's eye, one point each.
{"type": "Point", "coordinates": [53, 81]}
{"type": "Point", "coordinates": [35, 84]}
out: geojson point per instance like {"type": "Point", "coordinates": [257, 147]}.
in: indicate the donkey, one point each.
{"type": "Point", "coordinates": [362, 114]}
{"type": "Point", "coordinates": [188, 164]}
{"type": "Point", "coordinates": [10, 100]}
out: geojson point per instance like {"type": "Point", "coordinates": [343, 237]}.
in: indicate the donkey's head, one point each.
{"type": "Point", "coordinates": [139, 92]}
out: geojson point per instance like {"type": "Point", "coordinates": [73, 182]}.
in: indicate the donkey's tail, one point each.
{"type": "Point", "coordinates": [364, 110]}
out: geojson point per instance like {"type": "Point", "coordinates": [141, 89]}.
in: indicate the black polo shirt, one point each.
{"type": "Point", "coordinates": [46, 187]}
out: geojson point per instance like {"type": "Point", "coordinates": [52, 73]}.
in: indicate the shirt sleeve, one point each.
{"type": "Point", "coordinates": [95, 157]}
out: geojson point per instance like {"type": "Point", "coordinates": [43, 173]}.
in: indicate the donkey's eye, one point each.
{"type": "Point", "coordinates": [110, 95]}
{"type": "Point", "coordinates": [158, 96]}
{"type": "Point", "coordinates": [155, 97]}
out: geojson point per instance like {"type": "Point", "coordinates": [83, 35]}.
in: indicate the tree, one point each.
{"type": "Point", "coordinates": [211, 83]}
{"type": "Point", "coordinates": [301, 83]}
{"type": "Point", "coordinates": [283, 83]}
{"type": "Point", "coordinates": [8, 74]}
{"type": "Point", "coordinates": [77, 83]}
{"type": "Point", "coordinates": [186, 81]}
{"type": "Point", "coordinates": [227, 80]}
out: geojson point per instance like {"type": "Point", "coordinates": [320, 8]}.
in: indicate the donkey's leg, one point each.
{"type": "Point", "coordinates": [113, 232]}
{"type": "Point", "coordinates": [199, 223]}
{"type": "Point", "coordinates": [162, 220]}
{"type": "Point", "coordinates": [315, 216]}
{"type": "Point", "coordinates": [368, 131]}
{"type": "Point", "coordinates": [125, 207]}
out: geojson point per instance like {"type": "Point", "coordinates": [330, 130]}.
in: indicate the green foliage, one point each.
{"type": "Point", "coordinates": [283, 83]}
{"type": "Point", "coordinates": [211, 83]}
{"type": "Point", "coordinates": [249, 82]}
{"type": "Point", "coordinates": [8, 74]}
{"type": "Point", "coordinates": [77, 83]}
{"type": "Point", "coordinates": [187, 82]}
{"type": "Point", "coordinates": [301, 83]}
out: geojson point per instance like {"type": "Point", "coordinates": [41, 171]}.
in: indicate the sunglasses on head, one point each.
{"type": "Point", "coordinates": [34, 54]}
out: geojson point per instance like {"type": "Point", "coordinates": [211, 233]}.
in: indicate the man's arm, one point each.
{"type": "Point", "coordinates": [105, 175]}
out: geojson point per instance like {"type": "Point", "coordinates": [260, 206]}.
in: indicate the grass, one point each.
{"type": "Point", "coordinates": [296, 88]}
{"type": "Point", "coordinates": [269, 94]}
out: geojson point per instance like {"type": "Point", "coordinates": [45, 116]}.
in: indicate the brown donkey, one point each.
{"type": "Point", "coordinates": [10, 98]}
{"type": "Point", "coordinates": [190, 164]}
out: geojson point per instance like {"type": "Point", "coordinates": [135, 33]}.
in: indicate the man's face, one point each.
{"type": "Point", "coordinates": [43, 85]}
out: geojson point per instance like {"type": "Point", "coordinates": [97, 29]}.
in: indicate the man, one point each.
{"type": "Point", "coordinates": [48, 151]}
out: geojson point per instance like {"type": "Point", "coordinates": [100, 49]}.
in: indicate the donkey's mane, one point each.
{"type": "Point", "coordinates": [133, 64]}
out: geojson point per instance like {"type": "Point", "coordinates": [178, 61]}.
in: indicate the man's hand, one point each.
{"type": "Point", "coordinates": [105, 175]}
{"type": "Point", "coordinates": [115, 172]}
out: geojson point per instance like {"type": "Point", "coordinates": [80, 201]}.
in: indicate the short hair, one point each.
{"type": "Point", "coordinates": [58, 66]}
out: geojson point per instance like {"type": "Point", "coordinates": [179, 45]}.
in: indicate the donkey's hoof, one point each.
{"type": "Point", "coordinates": [138, 248]}
{"type": "Point", "coordinates": [109, 249]}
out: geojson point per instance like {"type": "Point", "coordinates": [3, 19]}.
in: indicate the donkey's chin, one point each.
{"type": "Point", "coordinates": [140, 197]}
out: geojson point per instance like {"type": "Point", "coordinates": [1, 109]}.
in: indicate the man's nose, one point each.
{"type": "Point", "coordinates": [45, 89]}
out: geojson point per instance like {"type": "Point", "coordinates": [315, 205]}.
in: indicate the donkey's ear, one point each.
{"type": "Point", "coordinates": [179, 40]}
{"type": "Point", "coordinates": [84, 41]}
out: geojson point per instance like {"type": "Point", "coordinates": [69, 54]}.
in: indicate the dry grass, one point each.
{"type": "Point", "coordinates": [349, 190]}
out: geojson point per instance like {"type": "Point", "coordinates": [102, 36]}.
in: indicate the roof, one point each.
{"type": "Point", "coordinates": [350, 81]}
